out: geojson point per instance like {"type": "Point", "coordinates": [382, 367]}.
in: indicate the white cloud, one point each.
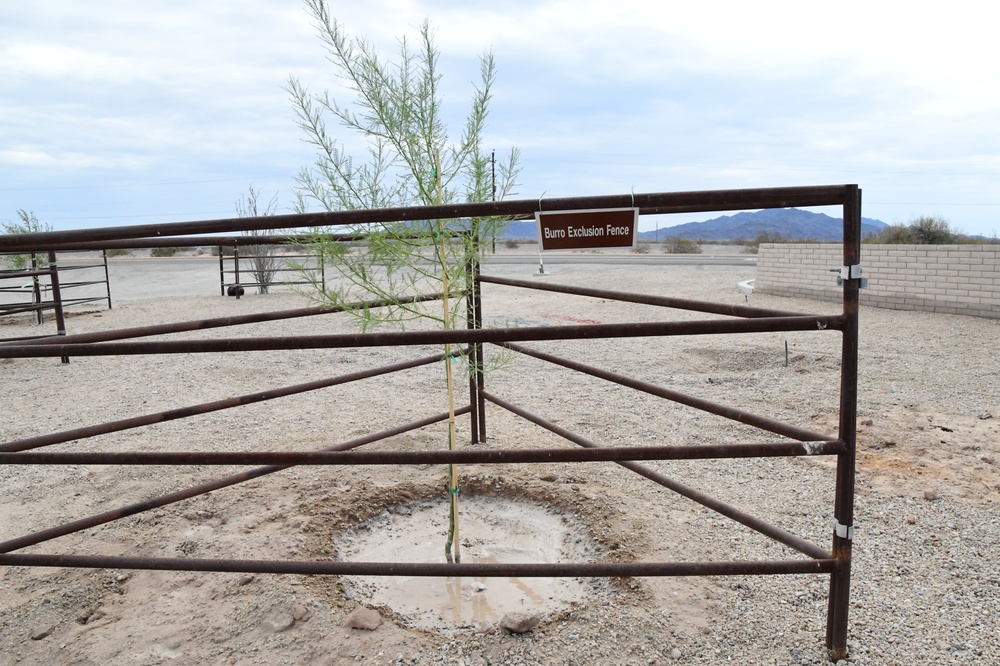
{"type": "Point", "coordinates": [35, 158]}
{"type": "Point", "coordinates": [57, 61]}
{"type": "Point", "coordinates": [599, 97]}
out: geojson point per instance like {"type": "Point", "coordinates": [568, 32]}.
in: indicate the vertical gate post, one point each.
{"type": "Point", "coordinates": [843, 533]}
{"type": "Point", "coordinates": [471, 273]}
{"type": "Point", "coordinates": [236, 268]}
{"type": "Point", "coordinates": [36, 290]}
{"type": "Point", "coordinates": [57, 297]}
{"type": "Point", "coordinates": [107, 277]}
{"type": "Point", "coordinates": [477, 291]}
{"type": "Point", "coordinates": [222, 271]}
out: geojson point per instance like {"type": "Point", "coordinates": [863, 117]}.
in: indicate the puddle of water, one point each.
{"type": "Point", "coordinates": [492, 530]}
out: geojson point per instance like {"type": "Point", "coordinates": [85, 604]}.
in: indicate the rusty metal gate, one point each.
{"type": "Point", "coordinates": [834, 561]}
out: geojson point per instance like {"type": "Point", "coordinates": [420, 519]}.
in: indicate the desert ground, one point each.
{"type": "Point", "coordinates": [925, 588]}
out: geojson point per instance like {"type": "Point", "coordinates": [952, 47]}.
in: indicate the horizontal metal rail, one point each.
{"type": "Point", "coordinates": [776, 533]}
{"type": "Point", "coordinates": [254, 269]}
{"type": "Point", "coordinates": [662, 301]}
{"type": "Point", "coordinates": [23, 273]}
{"type": "Point", "coordinates": [27, 338]}
{"type": "Point", "coordinates": [63, 267]}
{"type": "Point", "coordinates": [210, 486]}
{"type": "Point", "coordinates": [655, 203]}
{"type": "Point", "coordinates": [207, 407]}
{"type": "Point", "coordinates": [18, 308]}
{"type": "Point", "coordinates": [437, 569]}
{"type": "Point", "coordinates": [444, 457]}
{"type": "Point", "coordinates": [451, 336]}
{"type": "Point", "coordinates": [70, 285]}
{"type": "Point", "coordinates": [748, 418]}
{"type": "Point", "coordinates": [221, 322]}
{"type": "Point", "coordinates": [69, 302]}
{"type": "Point", "coordinates": [133, 243]}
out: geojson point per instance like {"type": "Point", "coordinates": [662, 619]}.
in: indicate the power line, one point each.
{"type": "Point", "coordinates": [925, 203]}
{"type": "Point", "coordinates": [125, 184]}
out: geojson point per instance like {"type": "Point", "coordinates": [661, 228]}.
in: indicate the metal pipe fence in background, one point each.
{"type": "Point", "coordinates": [40, 287]}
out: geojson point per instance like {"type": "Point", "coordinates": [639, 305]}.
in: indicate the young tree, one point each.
{"type": "Point", "coordinates": [26, 224]}
{"type": "Point", "coordinates": [398, 111]}
{"type": "Point", "coordinates": [409, 159]}
{"type": "Point", "coordinates": [263, 262]}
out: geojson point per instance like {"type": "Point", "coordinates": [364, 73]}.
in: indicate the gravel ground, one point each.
{"type": "Point", "coordinates": [925, 588]}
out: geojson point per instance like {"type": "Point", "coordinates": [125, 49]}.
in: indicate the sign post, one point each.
{"type": "Point", "coordinates": [601, 229]}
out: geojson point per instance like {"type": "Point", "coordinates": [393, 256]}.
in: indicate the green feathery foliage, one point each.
{"type": "Point", "coordinates": [397, 111]}
{"type": "Point", "coordinates": [409, 160]}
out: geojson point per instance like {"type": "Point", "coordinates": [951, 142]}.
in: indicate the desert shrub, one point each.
{"type": "Point", "coordinates": [894, 234]}
{"type": "Point", "coordinates": [118, 252]}
{"type": "Point", "coordinates": [641, 248]}
{"type": "Point", "coordinates": [921, 231]}
{"type": "Point", "coordinates": [164, 251]}
{"type": "Point", "coordinates": [511, 243]}
{"type": "Point", "coordinates": [753, 246]}
{"type": "Point", "coordinates": [676, 245]}
{"type": "Point", "coordinates": [339, 249]}
{"type": "Point", "coordinates": [27, 224]}
{"type": "Point", "coordinates": [933, 231]}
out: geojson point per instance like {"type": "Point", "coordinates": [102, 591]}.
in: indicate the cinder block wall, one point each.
{"type": "Point", "coordinates": [953, 279]}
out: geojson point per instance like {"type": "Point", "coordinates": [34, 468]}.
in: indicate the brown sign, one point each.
{"type": "Point", "coordinates": [587, 229]}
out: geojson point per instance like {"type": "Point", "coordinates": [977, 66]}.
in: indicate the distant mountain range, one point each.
{"type": "Point", "coordinates": [792, 223]}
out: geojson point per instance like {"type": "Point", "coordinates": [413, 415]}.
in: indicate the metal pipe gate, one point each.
{"type": "Point", "coordinates": [797, 441]}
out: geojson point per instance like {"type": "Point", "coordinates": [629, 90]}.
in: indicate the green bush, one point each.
{"type": "Point", "coordinates": [921, 231]}
{"type": "Point", "coordinates": [511, 243]}
{"type": "Point", "coordinates": [28, 224]}
{"type": "Point", "coordinates": [164, 251]}
{"type": "Point", "coordinates": [753, 246]}
{"type": "Point", "coordinates": [118, 252]}
{"type": "Point", "coordinates": [676, 245]}
{"type": "Point", "coordinates": [335, 249]}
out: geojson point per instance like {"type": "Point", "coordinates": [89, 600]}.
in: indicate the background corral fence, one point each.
{"type": "Point", "coordinates": [38, 287]}
{"type": "Point", "coordinates": [794, 440]}
{"type": "Point", "coordinates": [254, 263]}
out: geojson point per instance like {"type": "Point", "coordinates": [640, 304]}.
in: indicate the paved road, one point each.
{"type": "Point", "coordinates": [626, 259]}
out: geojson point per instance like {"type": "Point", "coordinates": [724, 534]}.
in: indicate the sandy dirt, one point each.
{"type": "Point", "coordinates": [492, 531]}
{"type": "Point", "coordinates": [929, 445]}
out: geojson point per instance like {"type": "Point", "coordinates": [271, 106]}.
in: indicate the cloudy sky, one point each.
{"type": "Point", "coordinates": [121, 112]}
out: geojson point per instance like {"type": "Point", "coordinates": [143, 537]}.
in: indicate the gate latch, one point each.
{"type": "Point", "coordinates": [850, 273]}
{"type": "Point", "coordinates": [843, 531]}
